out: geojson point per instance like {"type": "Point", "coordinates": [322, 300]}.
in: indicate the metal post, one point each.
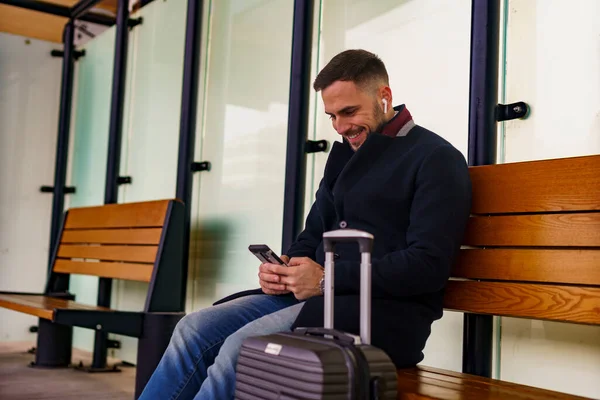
{"type": "Point", "coordinates": [62, 11]}
{"type": "Point", "coordinates": [62, 142]}
{"type": "Point", "coordinates": [295, 170]}
{"type": "Point", "coordinates": [187, 125]}
{"type": "Point", "coordinates": [483, 93]}
{"type": "Point", "coordinates": [483, 99]}
{"type": "Point", "coordinates": [157, 331]}
{"type": "Point", "coordinates": [114, 158]}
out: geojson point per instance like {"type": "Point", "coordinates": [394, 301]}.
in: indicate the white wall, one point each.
{"type": "Point", "coordinates": [553, 63]}
{"type": "Point", "coordinates": [29, 98]}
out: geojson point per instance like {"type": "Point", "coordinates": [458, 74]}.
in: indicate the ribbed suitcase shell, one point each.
{"type": "Point", "coordinates": [301, 366]}
{"type": "Point", "coordinates": [307, 368]}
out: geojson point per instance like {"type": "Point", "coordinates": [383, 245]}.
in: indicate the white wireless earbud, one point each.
{"type": "Point", "coordinates": [384, 106]}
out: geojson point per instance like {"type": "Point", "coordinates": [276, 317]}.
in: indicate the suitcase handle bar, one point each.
{"type": "Point", "coordinates": [337, 335]}
{"type": "Point", "coordinates": [364, 239]}
{"type": "Point", "coordinates": [365, 244]}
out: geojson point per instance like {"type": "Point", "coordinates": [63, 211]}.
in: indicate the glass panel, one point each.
{"type": "Point", "coordinates": [243, 125]}
{"type": "Point", "coordinates": [154, 99]}
{"type": "Point", "coordinates": [150, 126]}
{"type": "Point", "coordinates": [29, 98]}
{"type": "Point", "coordinates": [425, 46]}
{"type": "Point", "coordinates": [552, 63]}
{"type": "Point", "coordinates": [91, 112]}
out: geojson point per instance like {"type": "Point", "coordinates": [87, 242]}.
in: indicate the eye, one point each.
{"type": "Point", "coordinates": [331, 117]}
{"type": "Point", "coordinates": [350, 112]}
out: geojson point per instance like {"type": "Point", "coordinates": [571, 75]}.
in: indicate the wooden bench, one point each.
{"type": "Point", "coordinates": [532, 250]}
{"type": "Point", "coordinates": [135, 241]}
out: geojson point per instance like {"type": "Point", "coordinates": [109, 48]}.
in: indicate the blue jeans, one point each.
{"type": "Point", "coordinates": [200, 361]}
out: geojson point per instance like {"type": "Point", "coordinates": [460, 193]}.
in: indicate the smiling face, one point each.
{"type": "Point", "coordinates": [356, 111]}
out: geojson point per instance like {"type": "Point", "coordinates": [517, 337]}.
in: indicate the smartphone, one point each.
{"type": "Point", "coordinates": [265, 254]}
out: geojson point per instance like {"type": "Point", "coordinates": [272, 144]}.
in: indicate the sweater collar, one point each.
{"type": "Point", "coordinates": [400, 124]}
{"type": "Point", "coordinates": [341, 152]}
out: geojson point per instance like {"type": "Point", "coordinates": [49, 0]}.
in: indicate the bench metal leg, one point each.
{"type": "Point", "coordinates": [157, 332]}
{"type": "Point", "coordinates": [54, 345]}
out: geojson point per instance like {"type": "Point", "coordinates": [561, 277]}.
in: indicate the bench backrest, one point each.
{"type": "Point", "coordinates": [132, 241]}
{"type": "Point", "coordinates": [532, 246]}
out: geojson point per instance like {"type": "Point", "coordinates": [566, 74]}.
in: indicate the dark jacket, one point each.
{"type": "Point", "coordinates": [413, 193]}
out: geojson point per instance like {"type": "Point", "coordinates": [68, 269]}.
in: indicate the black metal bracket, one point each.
{"type": "Point", "coordinates": [124, 180]}
{"type": "Point", "coordinates": [113, 344]}
{"type": "Point", "coordinates": [127, 323]}
{"type": "Point", "coordinates": [59, 53]}
{"type": "Point", "coordinates": [90, 369]}
{"type": "Point", "coordinates": [50, 189]}
{"type": "Point", "coordinates": [201, 166]}
{"type": "Point", "coordinates": [133, 22]}
{"type": "Point", "coordinates": [506, 112]}
{"type": "Point", "coordinates": [61, 295]}
{"type": "Point", "coordinates": [316, 146]}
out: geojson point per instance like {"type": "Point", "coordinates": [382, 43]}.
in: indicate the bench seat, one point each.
{"type": "Point", "coordinates": [70, 313]}
{"type": "Point", "coordinates": [531, 250]}
{"type": "Point", "coordinates": [141, 242]}
{"type": "Point", "coordinates": [41, 306]}
{"type": "Point", "coordinates": [433, 383]}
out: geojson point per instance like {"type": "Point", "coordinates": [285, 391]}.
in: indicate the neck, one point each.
{"type": "Point", "coordinates": [389, 115]}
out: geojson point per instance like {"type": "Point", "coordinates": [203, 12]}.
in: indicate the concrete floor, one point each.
{"type": "Point", "coordinates": [18, 381]}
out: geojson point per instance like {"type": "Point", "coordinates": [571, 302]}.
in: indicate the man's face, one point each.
{"type": "Point", "coordinates": [354, 112]}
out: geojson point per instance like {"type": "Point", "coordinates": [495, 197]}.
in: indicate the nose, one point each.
{"type": "Point", "coordinates": [341, 126]}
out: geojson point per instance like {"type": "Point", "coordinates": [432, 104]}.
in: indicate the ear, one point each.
{"type": "Point", "coordinates": [385, 92]}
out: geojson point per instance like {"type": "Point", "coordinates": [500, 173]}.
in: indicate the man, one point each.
{"type": "Point", "coordinates": [404, 184]}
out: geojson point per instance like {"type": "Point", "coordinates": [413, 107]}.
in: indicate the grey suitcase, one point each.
{"type": "Point", "coordinates": [320, 363]}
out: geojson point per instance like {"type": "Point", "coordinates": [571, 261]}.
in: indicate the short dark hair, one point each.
{"type": "Point", "coordinates": [359, 66]}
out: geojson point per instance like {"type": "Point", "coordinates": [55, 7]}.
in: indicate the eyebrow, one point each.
{"type": "Point", "coordinates": [343, 110]}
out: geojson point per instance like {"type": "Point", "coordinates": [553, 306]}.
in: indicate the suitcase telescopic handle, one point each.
{"type": "Point", "coordinates": [365, 245]}
{"type": "Point", "coordinates": [340, 336]}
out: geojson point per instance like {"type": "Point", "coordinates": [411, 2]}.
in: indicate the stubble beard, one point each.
{"type": "Point", "coordinates": [379, 118]}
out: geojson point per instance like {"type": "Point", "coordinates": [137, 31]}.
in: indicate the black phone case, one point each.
{"type": "Point", "coordinates": [265, 254]}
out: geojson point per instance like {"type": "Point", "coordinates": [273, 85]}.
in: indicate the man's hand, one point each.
{"type": "Point", "coordinates": [302, 277]}
{"type": "Point", "coordinates": [269, 281]}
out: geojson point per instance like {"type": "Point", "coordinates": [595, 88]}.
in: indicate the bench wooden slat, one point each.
{"type": "Point", "coordinates": [41, 306]}
{"type": "Point", "coordinates": [479, 384]}
{"type": "Point", "coordinates": [482, 382]}
{"type": "Point", "coordinates": [427, 382]}
{"type": "Point", "coordinates": [142, 215]}
{"type": "Point", "coordinates": [566, 184]}
{"type": "Point", "coordinates": [411, 388]}
{"type": "Point", "coordinates": [115, 270]}
{"type": "Point", "coordinates": [13, 303]}
{"type": "Point", "coordinates": [113, 236]}
{"type": "Point", "coordinates": [550, 302]}
{"type": "Point", "coordinates": [579, 267]}
{"type": "Point", "coordinates": [561, 230]}
{"type": "Point", "coordinates": [428, 387]}
{"type": "Point", "coordinates": [142, 254]}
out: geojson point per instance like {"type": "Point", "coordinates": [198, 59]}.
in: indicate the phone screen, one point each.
{"type": "Point", "coordinates": [265, 254]}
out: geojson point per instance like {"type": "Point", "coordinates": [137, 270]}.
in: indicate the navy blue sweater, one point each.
{"type": "Point", "coordinates": [413, 193]}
